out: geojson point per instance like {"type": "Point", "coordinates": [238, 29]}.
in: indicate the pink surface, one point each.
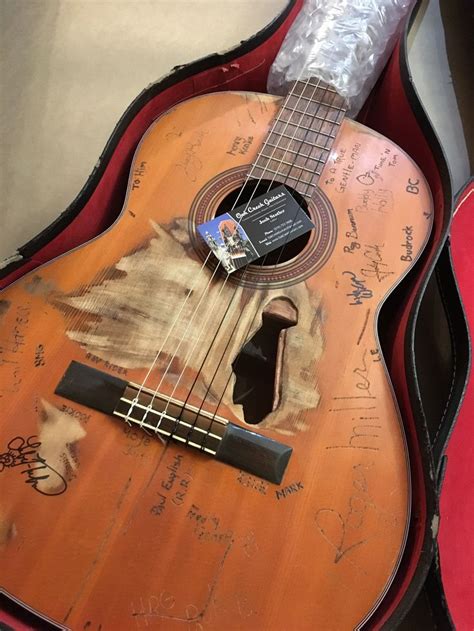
{"type": "Point", "coordinates": [457, 498]}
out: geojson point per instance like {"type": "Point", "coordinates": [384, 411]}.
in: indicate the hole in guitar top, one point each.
{"type": "Point", "coordinates": [258, 365]}
{"type": "Point", "coordinates": [253, 189]}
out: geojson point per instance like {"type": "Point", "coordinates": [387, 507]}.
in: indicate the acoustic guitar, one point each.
{"type": "Point", "coordinates": [200, 442]}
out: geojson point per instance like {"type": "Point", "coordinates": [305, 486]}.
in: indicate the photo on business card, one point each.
{"type": "Point", "coordinates": [229, 242]}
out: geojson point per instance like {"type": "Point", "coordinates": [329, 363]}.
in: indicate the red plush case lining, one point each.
{"type": "Point", "coordinates": [457, 500]}
{"type": "Point", "coordinates": [389, 105]}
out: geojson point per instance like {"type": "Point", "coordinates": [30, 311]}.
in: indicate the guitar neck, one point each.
{"type": "Point", "coordinates": [301, 138]}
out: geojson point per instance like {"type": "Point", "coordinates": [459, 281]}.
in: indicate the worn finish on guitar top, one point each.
{"type": "Point", "coordinates": [104, 526]}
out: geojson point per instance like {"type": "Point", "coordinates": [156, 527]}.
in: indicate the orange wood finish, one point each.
{"type": "Point", "coordinates": [154, 536]}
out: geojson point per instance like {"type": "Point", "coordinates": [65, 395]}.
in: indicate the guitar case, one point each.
{"type": "Point", "coordinates": [422, 325]}
{"type": "Point", "coordinates": [457, 500]}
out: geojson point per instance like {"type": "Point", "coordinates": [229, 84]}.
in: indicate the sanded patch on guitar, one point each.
{"type": "Point", "coordinates": [124, 317]}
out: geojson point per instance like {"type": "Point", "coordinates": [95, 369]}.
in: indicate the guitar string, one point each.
{"type": "Point", "coordinates": [204, 326]}
{"type": "Point", "coordinates": [301, 141]}
{"type": "Point", "coordinates": [142, 385]}
{"type": "Point", "coordinates": [257, 310]}
{"type": "Point", "coordinates": [193, 347]}
{"type": "Point", "coordinates": [308, 184]}
{"type": "Point", "coordinates": [157, 355]}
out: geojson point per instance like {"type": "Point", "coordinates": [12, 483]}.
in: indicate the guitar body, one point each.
{"type": "Point", "coordinates": [105, 527]}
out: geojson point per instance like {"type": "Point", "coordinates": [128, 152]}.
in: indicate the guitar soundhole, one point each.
{"type": "Point", "coordinates": [293, 262]}
{"type": "Point", "coordinates": [253, 189]}
{"type": "Point", "coordinates": [258, 365]}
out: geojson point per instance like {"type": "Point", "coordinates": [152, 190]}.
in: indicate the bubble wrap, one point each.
{"type": "Point", "coordinates": [343, 42]}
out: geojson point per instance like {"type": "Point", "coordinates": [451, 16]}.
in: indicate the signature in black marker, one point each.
{"type": "Point", "coordinates": [362, 373]}
{"type": "Point", "coordinates": [359, 291]}
{"type": "Point", "coordinates": [375, 267]}
{"type": "Point", "coordinates": [42, 477]}
{"type": "Point", "coordinates": [191, 163]}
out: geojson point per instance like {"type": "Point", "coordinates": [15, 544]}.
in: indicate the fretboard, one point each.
{"type": "Point", "coordinates": [298, 144]}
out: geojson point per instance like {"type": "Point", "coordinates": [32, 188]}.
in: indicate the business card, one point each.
{"type": "Point", "coordinates": [255, 228]}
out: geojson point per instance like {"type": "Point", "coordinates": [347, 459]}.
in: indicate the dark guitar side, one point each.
{"type": "Point", "coordinates": [104, 526]}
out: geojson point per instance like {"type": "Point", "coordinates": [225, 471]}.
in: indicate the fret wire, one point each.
{"type": "Point", "coordinates": [334, 107]}
{"type": "Point", "coordinates": [287, 175]}
{"type": "Point", "coordinates": [322, 85]}
{"type": "Point", "coordinates": [301, 155]}
{"type": "Point", "coordinates": [165, 433]}
{"type": "Point", "coordinates": [299, 139]}
{"type": "Point", "coordinates": [314, 131]}
{"type": "Point", "coordinates": [307, 190]}
{"type": "Point", "coordinates": [269, 144]}
{"type": "Point", "coordinates": [333, 123]}
{"type": "Point", "coordinates": [172, 418]}
{"type": "Point", "coordinates": [306, 98]}
{"type": "Point", "coordinates": [325, 90]}
{"type": "Point", "coordinates": [290, 164]}
{"type": "Point", "coordinates": [338, 122]}
{"type": "Point", "coordinates": [314, 116]}
{"type": "Point", "coordinates": [327, 138]}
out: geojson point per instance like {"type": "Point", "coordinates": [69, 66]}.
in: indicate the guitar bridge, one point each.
{"type": "Point", "coordinates": [174, 420]}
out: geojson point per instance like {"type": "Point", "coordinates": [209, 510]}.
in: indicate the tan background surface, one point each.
{"type": "Point", "coordinates": [69, 70]}
{"type": "Point", "coordinates": [71, 67]}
